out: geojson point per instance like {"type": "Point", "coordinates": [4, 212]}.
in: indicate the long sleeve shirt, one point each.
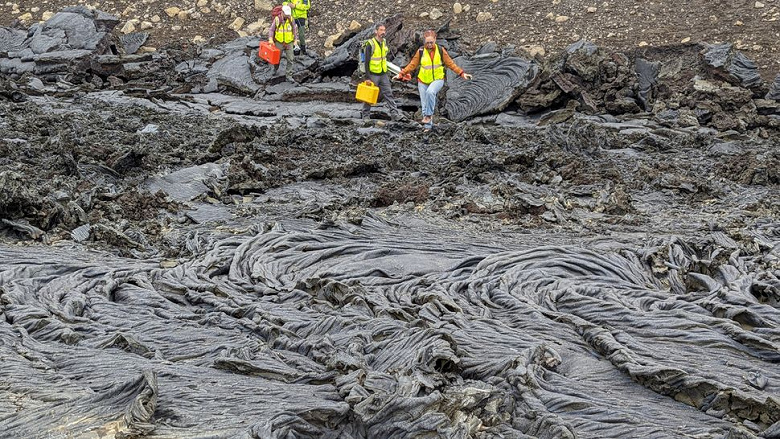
{"type": "Point", "coordinates": [445, 58]}
{"type": "Point", "coordinates": [272, 29]}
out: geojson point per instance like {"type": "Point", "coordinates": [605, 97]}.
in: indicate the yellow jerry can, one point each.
{"type": "Point", "coordinates": [367, 92]}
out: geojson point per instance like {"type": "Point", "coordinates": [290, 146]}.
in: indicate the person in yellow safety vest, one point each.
{"type": "Point", "coordinates": [376, 55]}
{"type": "Point", "coordinates": [300, 13]}
{"type": "Point", "coordinates": [431, 58]}
{"type": "Point", "coordinates": [284, 34]}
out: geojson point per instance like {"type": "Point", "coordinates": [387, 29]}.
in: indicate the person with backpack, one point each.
{"type": "Point", "coordinates": [284, 34]}
{"type": "Point", "coordinates": [375, 53]}
{"type": "Point", "coordinates": [431, 58]}
{"type": "Point", "coordinates": [300, 13]}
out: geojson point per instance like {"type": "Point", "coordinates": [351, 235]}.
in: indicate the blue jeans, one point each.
{"type": "Point", "coordinates": [428, 94]}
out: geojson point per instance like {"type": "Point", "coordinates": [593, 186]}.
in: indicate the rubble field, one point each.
{"type": "Point", "coordinates": [586, 245]}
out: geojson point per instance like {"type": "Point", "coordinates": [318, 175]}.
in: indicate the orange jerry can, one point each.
{"type": "Point", "coordinates": [367, 92]}
{"type": "Point", "coordinates": [269, 52]}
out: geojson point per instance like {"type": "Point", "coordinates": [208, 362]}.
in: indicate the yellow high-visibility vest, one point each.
{"type": "Point", "coordinates": [430, 69]}
{"type": "Point", "coordinates": [378, 61]}
{"type": "Point", "coordinates": [300, 8]}
{"type": "Point", "coordinates": [284, 31]}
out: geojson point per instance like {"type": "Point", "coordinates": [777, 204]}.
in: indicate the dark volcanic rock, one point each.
{"type": "Point", "coordinates": [133, 41]}
{"type": "Point", "coordinates": [774, 89]}
{"type": "Point", "coordinates": [498, 80]}
{"type": "Point", "coordinates": [11, 40]}
{"type": "Point", "coordinates": [729, 64]}
{"type": "Point", "coordinates": [61, 44]}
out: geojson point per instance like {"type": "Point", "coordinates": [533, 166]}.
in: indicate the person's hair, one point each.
{"type": "Point", "coordinates": [429, 33]}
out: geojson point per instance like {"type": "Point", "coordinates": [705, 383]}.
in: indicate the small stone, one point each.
{"type": "Point", "coordinates": [263, 5]}
{"type": "Point", "coordinates": [129, 27]}
{"type": "Point", "coordinates": [424, 14]}
{"type": "Point", "coordinates": [198, 39]}
{"type": "Point", "coordinates": [47, 15]}
{"type": "Point", "coordinates": [25, 17]}
{"type": "Point", "coordinates": [533, 51]}
{"type": "Point", "coordinates": [329, 41]}
{"type": "Point", "coordinates": [466, 8]}
{"type": "Point", "coordinates": [643, 44]}
{"type": "Point", "coordinates": [457, 8]}
{"type": "Point", "coordinates": [561, 18]}
{"type": "Point", "coordinates": [35, 10]}
{"type": "Point", "coordinates": [183, 15]}
{"type": "Point", "coordinates": [739, 23]}
{"type": "Point", "coordinates": [484, 16]}
{"type": "Point", "coordinates": [176, 28]}
{"type": "Point", "coordinates": [757, 47]}
{"type": "Point", "coordinates": [321, 34]}
{"type": "Point", "coordinates": [435, 14]}
{"type": "Point", "coordinates": [686, 40]}
{"type": "Point", "coordinates": [550, 16]}
{"type": "Point", "coordinates": [611, 35]}
{"type": "Point", "coordinates": [255, 28]}
{"type": "Point", "coordinates": [242, 34]}
{"type": "Point", "coordinates": [759, 5]}
{"type": "Point", "coordinates": [592, 10]}
{"type": "Point", "coordinates": [155, 19]}
{"type": "Point", "coordinates": [354, 25]}
{"type": "Point", "coordinates": [172, 11]}
{"type": "Point", "coordinates": [205, 10]}
{"type": "Point", "coordinates": [202, 3]}
{"type": "Point", "coordinates": [147, 49]}
{"type": "Point", "coordinates": [237, 24]}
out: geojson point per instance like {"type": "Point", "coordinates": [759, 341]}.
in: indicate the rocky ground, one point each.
{"type": "Point", "coordinates": [586, 245]}
{"type": "Point", "coordinates": [541, 26]}
{"type": "Point", "coordinates": [64, 169]}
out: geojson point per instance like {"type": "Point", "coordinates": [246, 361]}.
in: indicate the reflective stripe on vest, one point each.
{"type": "Point", "coordinates": [378, 61]}
{"type": "Point", "coordinates": [284, 32]}
{"type": "Point", "coordinates": [430, 69]}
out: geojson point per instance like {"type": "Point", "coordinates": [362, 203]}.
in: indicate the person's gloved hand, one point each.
{"type": "Point", "coordinates": [465, 76]}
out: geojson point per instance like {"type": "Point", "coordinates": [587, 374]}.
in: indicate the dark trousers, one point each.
{"type": "Point", "coordinates": [302, 24]}
{"type": "Point", "coordinates": [289, 55]}
{"type": "Point", "coordinates": [382, 80]}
